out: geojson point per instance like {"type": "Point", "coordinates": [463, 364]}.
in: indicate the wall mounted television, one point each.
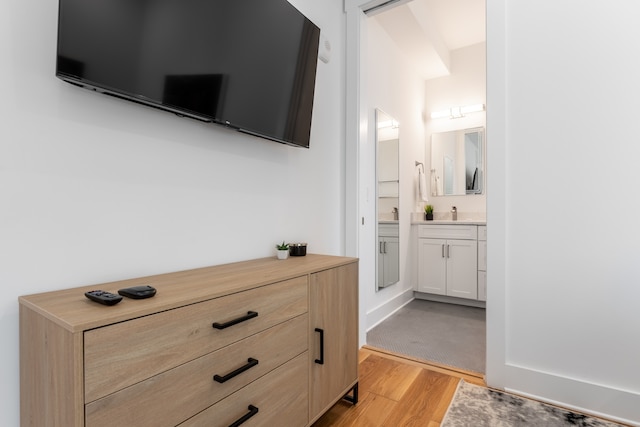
{"type": "Point", "coordinates": [246, 64]}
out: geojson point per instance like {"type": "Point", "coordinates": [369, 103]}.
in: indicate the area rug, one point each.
{"type": "Point", "coordinates": [477, 406]}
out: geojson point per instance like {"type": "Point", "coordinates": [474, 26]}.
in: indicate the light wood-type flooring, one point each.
{"type": "Point", "coordinates": [395, 391]}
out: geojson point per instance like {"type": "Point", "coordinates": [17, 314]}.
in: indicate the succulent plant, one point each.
{"type": "Point", "coordinates": [282, 247]}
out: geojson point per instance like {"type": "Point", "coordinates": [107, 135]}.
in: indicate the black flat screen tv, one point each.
{"type": "Point", "coordinates": [246, 64]}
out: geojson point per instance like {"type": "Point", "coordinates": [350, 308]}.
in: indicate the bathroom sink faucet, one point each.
{"type": "Point", "coordinates": [454, 213]}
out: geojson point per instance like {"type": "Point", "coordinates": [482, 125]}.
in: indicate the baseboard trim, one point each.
{"type": "Point", "coordinates": [578, 395]}
{"type": "Point", "coordinates": [450, 300]}
{"type": "Point", "coordinates": [383, 311]}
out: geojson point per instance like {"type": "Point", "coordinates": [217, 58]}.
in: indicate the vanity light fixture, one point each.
{"type": "Point", "coordinates": [457, 112]}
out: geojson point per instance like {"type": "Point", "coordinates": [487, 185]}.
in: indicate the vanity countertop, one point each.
{"type": "Point", "coordinates": [450, 222]}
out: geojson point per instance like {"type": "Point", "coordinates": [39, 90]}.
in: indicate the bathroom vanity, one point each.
{"type": "Point", "coordinates": [451, 261]}
{"type": "Point", "coordinates": [450, 258]}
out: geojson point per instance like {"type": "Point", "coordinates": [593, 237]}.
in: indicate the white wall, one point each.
{"type": "Point", "coordinates": [563, 273]}
{"type": "Point", "coordinates": [466, 85]}
{"type": "Point", "coordinates": [395, 88]}
{"type": "Point", "coordinates": [94, 189]}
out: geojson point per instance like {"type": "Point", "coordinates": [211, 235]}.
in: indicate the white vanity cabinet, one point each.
{"type": "Point", "coordinates": [448, 260]}
{"type": "Point", "coordinates": [482, 263]}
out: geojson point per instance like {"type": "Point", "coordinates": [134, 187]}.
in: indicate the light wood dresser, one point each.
{"type": "Point", "coordinates": [257, 343]}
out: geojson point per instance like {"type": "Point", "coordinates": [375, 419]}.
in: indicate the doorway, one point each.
{"type": "Point", "coordinates": [395, 17]}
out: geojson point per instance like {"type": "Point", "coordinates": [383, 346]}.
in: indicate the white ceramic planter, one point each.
{"type": "Point", "coordinates": [283, 254]}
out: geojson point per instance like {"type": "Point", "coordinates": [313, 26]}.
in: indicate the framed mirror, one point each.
{"type": "Point", "coordinates": [388, 199]}
{"type": "Point", "coordinates": [457, 162]}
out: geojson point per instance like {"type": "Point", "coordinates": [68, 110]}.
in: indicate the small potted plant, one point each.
{"type": "Point", "coordinates": [283, 250]}
{"type": "Point", "coordinates": [428, 212]}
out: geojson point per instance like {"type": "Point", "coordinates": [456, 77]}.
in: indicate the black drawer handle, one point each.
{"type": "Point", "coordinates": [321, 360]}
{"type": "Point", "coordinates": [250, 315]}
{"type": "Point", "coordinates": [252, 411]}
{"type": "Point", "coordinates": [250, 364]}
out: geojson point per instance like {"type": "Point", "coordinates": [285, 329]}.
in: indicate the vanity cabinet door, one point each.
{"type": "Point", "coordinates": [432, 266]}
{"type": "Point", "coordinates": [391, 265]}
{"type": "Point", "coordinates": [388, 265]}
{"type": "Point", "coordinates": [462, 269]}
{"type": "Point", "coordinates": [448, 267]}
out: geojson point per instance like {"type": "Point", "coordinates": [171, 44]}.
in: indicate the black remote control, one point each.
{"type": "Point", "coordinates": [138, 292]}
{"type": "Point", "coordinates": [103, 297]}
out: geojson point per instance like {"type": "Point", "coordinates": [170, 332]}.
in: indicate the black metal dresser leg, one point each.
{"type": "Point", "coordinates": [354, 397]}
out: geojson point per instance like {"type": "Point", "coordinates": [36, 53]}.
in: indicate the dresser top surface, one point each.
{"type": "Point", "coordinates": [73, 311]}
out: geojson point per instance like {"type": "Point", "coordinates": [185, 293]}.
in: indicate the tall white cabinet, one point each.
{"type": "Point", "coordinates": [448, 261]}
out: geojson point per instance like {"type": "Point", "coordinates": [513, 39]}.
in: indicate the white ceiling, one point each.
{"type": "Point", "coordinates": [428, 30]}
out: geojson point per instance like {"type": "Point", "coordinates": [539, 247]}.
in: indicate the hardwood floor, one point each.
{"type": "Point", "coordinates": [396, 391]}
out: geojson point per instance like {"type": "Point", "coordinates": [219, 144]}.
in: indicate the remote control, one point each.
{"type": "Point", "coordinates": [103, 297]}
{"type": "Point", "coordinates": [138, 292]}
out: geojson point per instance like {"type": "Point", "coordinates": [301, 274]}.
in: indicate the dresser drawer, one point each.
{"type": "Point", "coordinates": [123, 354]}
{"type": "Point", "coordinates": [281, 399]}
{"type": "Point", "coordinates": [173, 396]}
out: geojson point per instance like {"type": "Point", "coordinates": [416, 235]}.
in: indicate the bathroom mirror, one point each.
{"type": "Point", "coordinates": [388, 199]}
{"type": "Point", "coordinates": [457, 166]}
